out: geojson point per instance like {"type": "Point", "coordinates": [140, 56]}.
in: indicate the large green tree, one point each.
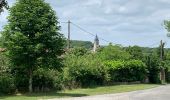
{"type": "Point", "coordinates": [32, 37]}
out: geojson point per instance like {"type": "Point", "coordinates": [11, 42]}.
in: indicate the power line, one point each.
{"type": "Point", "coordinates": [93, 35]}
{"type": "Point", "coordinates": [82, 29]}
{"type": "Point", "coordinates": [64, 22]}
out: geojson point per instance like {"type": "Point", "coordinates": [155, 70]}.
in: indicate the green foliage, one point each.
{"type": "Point", "coordinates": [78, 51]}
{"type": "Point", "coordinates": [32, 37]}
{"type": "Point", "coordinates": [153, 63]}
{"type": "Point", "coordinates": [6, 79]}
{"type": "Point", "coordinates": [135, 52]}
{"type": "Point", "coordinates": [168, 77]}
{"type": "Point", "coordinates": [4, 67]}
{"type": "Point", "coordinates": [6, 83]}
{"type": "Point", "coordinates": [126, 71]}
{"type": "Point", "coordinates": [85, 68]}
{"type": "Point", "coordinates": [46, 80]}
{"type": "Point", "coordinates": [113, 53]}
{"type": "Point", "coordinates": [167, 25]}
{"type": "Point", "coordinates": [21, 78]}
{"type": "Point", "coordinates": [82, 44]}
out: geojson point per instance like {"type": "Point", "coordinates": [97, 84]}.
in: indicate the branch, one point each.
{"type": "Point", "coordinates": [3, 4]}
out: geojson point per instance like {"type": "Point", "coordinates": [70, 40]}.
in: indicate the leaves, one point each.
{"type": "Point", "coordinates": [126, 71]}
{"type": "Point", "coordinates": [32, 37]}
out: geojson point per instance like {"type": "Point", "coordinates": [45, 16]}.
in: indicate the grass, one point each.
{"type": "Point", "coordinates": [80, 92]}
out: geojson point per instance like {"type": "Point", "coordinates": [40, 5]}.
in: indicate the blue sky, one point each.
{"type": "Point", "coordinates": [126, 22]}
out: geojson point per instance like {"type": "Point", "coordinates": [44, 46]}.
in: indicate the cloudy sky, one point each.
{"type": "Point", "coordinates": [126, 22]}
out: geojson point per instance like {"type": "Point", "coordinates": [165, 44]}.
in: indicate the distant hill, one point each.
{"type": "Point", "coordinates": [79, 43]}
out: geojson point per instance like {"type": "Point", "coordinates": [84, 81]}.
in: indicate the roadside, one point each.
{"type": "Point", "coordinates": [81, 92]}
{"type": "Point", "coordinates": [158, 93]}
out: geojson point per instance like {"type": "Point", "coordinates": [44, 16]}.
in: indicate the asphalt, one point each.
{"type": "Point", "coordinates": [158, 93]}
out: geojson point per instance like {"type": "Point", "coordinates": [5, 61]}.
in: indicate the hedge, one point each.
{"type": "Point", "coordinates": [126, 71]}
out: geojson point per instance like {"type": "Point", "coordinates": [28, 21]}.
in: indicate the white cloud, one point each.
{"type": "Point", "coordinates": [93, 2]}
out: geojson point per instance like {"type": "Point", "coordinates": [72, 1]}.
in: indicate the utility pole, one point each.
{"type": "Point", "coordinates": [162, 73]}
{"type": "Point", "coordinates": [68, 39]}
{"type": "Point", "coordinates": [161, 50]}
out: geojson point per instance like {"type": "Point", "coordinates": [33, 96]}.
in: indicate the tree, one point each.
{"type": "Point", "coordinates": [3, 4]}
{"type": "Point", "coordinates": [78, 51]}
{"type": "Point", "coordinates": [115, 52]}
{"type": "Point", "coordinates": [135, 52]}
{"type": "Point", "coordinates": [32, 37]}
{"type": "Point", "coordinates": [153, 64]}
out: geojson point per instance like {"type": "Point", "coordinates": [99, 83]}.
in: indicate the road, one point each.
{"type": "Point", "coordinates": [159, 93]}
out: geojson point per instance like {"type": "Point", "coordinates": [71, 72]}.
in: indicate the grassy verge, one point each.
{"type": "Point", "coordinates": [81, 92]}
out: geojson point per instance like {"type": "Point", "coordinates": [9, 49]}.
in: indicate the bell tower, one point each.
{"type": "Point", "coordinates": [96, 43]}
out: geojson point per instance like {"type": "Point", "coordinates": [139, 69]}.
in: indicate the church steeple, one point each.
{"type": "Point", "coordinates": [96, 43]}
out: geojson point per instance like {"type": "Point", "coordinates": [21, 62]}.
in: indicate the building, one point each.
{"type": "Point", "coordinates": [96, 44]}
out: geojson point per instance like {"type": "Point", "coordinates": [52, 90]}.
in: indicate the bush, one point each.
{"type": "Point", "coordinates": [153, 66]}
{"type": "Point", "coordinates": [6, 80]}
{"type": "Point", "coordinates": [46, 80]}
{"type": "Point", "coordinates": [168, 77]}
{"type": "Point", "coordinates": [6, 84]}
{"type": "Point", "coordinates": [86, 70]}
{"type": "Point", "coordinates": [126, 71]}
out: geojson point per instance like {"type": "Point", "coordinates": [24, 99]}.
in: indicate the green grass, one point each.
{"type": "Point", "coordinates": [81, 92]}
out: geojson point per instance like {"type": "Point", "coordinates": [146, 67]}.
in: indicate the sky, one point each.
{"type": "Point", "coordinates": [125, 22]}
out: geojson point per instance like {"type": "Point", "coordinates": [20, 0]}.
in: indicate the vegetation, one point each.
{"type": "Point", "coordinates": [127, 71]}
{"type": "Point", "coordinates": [81, 70]}
{"type": "Point", "coordinates": [82, 44]}
{"type": "Point", "coordinates": [102, 68]}
{"type": "Point", "coordinates": [32, 39]}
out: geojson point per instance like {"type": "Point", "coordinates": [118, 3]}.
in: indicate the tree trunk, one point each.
{"type": "Point", "coordinates": [30, 80]}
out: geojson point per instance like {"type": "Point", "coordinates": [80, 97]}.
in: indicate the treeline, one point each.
{"type": "Point", "coordinates": [79, 43]}
{"type": "Point", "coordinates": [82, 68]}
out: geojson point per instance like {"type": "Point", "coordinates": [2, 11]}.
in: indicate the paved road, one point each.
{"type": "Point", "coordinates": [159, 93]}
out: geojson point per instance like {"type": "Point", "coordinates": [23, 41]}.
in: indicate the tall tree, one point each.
{"type": "Point", "coordinates": [3, 4]}
{"type": "Point", "coordinates": [32, 37]}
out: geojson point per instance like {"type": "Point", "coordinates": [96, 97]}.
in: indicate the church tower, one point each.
{"type": "Point", "coordinates": [96, 44]}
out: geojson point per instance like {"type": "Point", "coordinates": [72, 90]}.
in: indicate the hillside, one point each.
{"type": "Point", "coordinates": [79, 43]}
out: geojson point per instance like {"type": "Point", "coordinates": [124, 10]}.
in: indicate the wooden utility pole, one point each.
{"type": "Point", "coordinates": [68, 39]}
{"type": "Point", "coordinates": [162, 72]}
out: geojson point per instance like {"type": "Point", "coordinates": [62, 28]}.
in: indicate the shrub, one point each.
{"type": "Point", "coordinates": [6, 84]}
{"type": "Point", "coordinates": [6, 80]}
{"type": "Point", "coordinates": [46, 80]}
{"type": "Point", "coordinates": [126, 71]}
{"type": "Point", "coordinates": [153, 66]}
{"type": "Point", "coordinates": [168, 77]}
{"type": "Point", "coordinates": [86, 70]}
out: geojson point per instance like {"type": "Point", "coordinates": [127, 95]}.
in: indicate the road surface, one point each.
{"type": "Point", "coordinates": [159, 93]}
